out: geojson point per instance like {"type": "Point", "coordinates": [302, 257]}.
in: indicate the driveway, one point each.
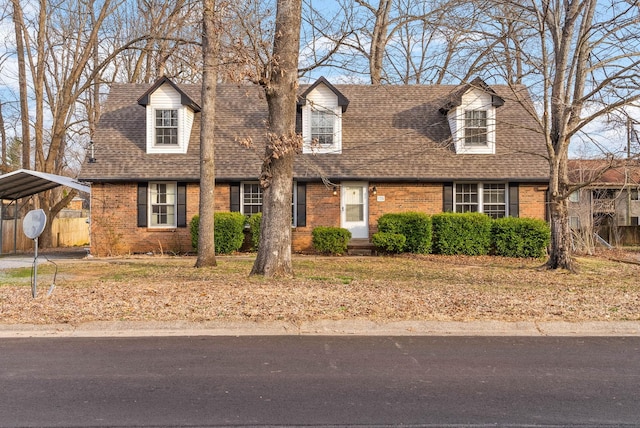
{"type": "Point", "coordinates": [20, 260]}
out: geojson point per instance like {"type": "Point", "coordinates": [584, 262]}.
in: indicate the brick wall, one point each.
{"type": "Point", "coordinates": [400, 197]}
{"type": "Point", "coordinates": [533, 200]}
{"type": "Point", "coordinates": [114, 213]}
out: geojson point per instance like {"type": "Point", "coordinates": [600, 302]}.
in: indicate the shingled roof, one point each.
{"type": "Point", "coordinates": [388, 133]}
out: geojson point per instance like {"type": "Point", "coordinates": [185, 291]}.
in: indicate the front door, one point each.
{"type": "Point", "coordinates": [354, 209]}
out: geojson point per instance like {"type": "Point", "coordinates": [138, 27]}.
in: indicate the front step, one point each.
{"type": "Point", "coordinates": [360, 247]}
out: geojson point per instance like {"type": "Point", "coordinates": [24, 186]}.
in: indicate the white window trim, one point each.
{"type": "Point", "coordinates": [480, 202]}
{"type": "Point", "coordinates": [308, 145]}
{"type": "Point", "coordinates": [462, 147]}
{"type": "Point", "coordinates": [155, 128]}
{"type": "Point", "coordinates": [151, 204]}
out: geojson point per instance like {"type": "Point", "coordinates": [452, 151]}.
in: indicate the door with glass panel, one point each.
{"type": "Point", "coordinates": [354, 209]}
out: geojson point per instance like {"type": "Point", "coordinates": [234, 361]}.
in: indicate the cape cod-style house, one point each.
{"type": "Point", "coordinates": [368, 150]}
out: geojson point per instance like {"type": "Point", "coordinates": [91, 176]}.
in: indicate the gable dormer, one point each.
{"type": "Point", "coordinates": [322, 106]}
{"type": "Point", "coordinates": [471, 113]}
{"type": "Point", "coordinates": [169, 117]}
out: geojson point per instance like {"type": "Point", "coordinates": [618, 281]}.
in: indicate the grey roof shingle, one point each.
{"type": "Point", "coordinates": [388, 133]}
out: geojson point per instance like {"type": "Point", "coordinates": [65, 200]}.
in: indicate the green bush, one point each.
{"type": "Point", "coordinates": [229, 231]}
{"type": "Point", "coordinates": [254, 229]}
{"type": "Point", "coordinates": [456, 233]}
{"type": "Point", "coordinates": [416, 228]}
{"type": "Point", "coordinates": [330, 240]}
{"type": "Point", "coordinates": [520, 237]}
{"type": "Point", "coordinates": [387, 242]}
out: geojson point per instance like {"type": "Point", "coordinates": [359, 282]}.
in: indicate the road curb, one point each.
{"type": "Point", "coordinates": [323, 328]}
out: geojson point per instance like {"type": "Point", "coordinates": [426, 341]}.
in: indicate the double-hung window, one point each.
{"type": "Point", "coordinates": [166, 127]}
{"type": "Point", "coordinates": [322, 126]}
{"type": "Point", "coordinates": [488, 198]}
{"type": "Point", "coordinates": [162, 197]}
{"type": "Point", "coordinates": [247, 198]}
{"type": "Point", "coordinates": [251, 198]}
{"type": "Point", "coordinates": [475, 128]}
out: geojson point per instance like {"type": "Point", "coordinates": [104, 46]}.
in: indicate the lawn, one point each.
{"type": "Point", "coordinates": [324, 288]}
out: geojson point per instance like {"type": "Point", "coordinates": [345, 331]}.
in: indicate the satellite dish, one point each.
{"type": "Point", "coordinates": [34, 223]}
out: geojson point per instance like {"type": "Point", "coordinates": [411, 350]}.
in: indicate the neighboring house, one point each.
{"type": "Point", "coordinates": [368, 150]}
{"type": "Point", "coordinates": [609, 199]}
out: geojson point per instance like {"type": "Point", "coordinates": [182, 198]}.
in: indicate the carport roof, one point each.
{"type": "Point", "coordinates": [23, 182]}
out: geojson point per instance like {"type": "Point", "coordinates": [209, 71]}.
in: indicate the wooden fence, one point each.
{"type": "Point", "coordinates": [67, 232]}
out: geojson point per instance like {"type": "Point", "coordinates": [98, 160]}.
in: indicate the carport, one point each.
{"type": "Point", "coordinates": [24, 183]}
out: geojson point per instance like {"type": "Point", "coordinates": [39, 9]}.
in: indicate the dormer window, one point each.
{"type": "Point", "coordinates": [322, 106]}
{"type": "Point", "coordinates": [170, 116]}
{"type": "Point", "coordinates": [322, 126]}
{"type": "Point", "coordinates": [475, 128]}
{"type": "Point", "coordinates": [471, 113]}
{"type": "Point", "coordinates": [167, 127]}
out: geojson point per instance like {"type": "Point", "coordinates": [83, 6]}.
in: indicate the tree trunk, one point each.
{"type": "Point", "coordinates": [210, 48]}
{"type": "Point", "coordinates": [274, 250]}
{"type": "Point", "coordinates": [379, 41]}
{"type": "Point", "coordinates": [22, 82]}
{"type": "Point", "coordinates": [560, 255]}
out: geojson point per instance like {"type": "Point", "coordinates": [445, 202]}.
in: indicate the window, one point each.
{"type": "Point", "coordinates": [475, 127]}
{"type": "Point", "coordinates": [251, 198]}
{"type": "Point", "coordinates": [574, 196]}
{"type": "Point", "coordinates": [574, 222]}
{"type": "Point", "coordinates": [162, 197]}
{"type": "Point", "coordinates": [488, 198]}
{"type": "Point", "coordinates": [635, 195]}
{"type": "Point", "coordinates": [167, 127]}
{"type": "Point", "coordinates": [322, 122]}
{"type": "Point", "coordinates": [247, 199]}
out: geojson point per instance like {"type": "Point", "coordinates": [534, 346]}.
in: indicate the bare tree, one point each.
{"type": "Point", "coordinates": [280, 86]}
{"type": "Point", "coordinates": [581, 64]}
{"type": "Point", "coordinates": [210, 51]}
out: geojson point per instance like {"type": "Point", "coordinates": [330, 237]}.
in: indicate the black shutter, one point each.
{"type": "Point", "coordinates": [447, 197]}
{"type": "Point", "coordinates": [514, 200]}
{"type": "Point", "coordinates": [234, 202]}
{"type": "Point", "coordinates": [182, 205]}
{"type": "Point", "coordinates": [142, 204]}
{"type": "Point", "coordinates": [301, 205]}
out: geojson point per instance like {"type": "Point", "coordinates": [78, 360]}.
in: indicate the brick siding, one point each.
{"type": "Point", "coordinates": [114, 227]}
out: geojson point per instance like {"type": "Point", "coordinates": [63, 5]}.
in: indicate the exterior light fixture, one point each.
{"type": "Point", "coordinates": [335, 191]}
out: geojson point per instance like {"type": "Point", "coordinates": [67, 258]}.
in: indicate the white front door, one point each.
{"type": "Point", "coordinates": [354, 209]}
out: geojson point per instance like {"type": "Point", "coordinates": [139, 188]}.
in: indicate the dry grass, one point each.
{"type": "Point", "coordinates": [373, 288]}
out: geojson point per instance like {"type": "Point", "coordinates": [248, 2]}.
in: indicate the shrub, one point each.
{"type": "Point", "coordinates": [389, 242]}
{"type": "Point", "coordinates": [229, 231]}
{"type": "Point", "coordinates": [416, 228]}
{"type": "Point", "coordinates": [254, 229]}
{"type": "Point", "coordinates": [457, 233]}
{"type": "Point", "coordinates": [330, 240]}
{"type": "Point", "coordinates": [520, 237]}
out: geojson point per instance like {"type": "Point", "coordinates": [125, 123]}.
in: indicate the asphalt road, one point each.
{"type": "Point", "coordinates": [319, 381]}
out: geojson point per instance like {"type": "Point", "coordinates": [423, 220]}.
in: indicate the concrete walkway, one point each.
{"type": "Point", "coordinates": [324, 328]}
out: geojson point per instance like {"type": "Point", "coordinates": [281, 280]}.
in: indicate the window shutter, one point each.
{"type": "Point", "coordinates": [447, 197]}
{"type": "Point", "coordinates": [182, 205]}
{"type": "Point", "coordinates": [234, 192]}
{"type": "Point", "coordinates": [514, 200]}
{"type": "Point", "coordinates": [142, 204]}
{"type": "Point", "coordinates": [301, 205]}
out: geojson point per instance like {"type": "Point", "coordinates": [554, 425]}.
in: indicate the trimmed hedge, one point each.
{"type": "Point", "coordinates": [389, 242]}
{"type": "Point", "coordinates": [330, 240]}
{"type": "Point", "coordinates": [414, 226]}
{"type": "Point", "coordinates": [461, 233]}
{"type": "Point", "coordinates": [254, 229]}
{"type": "Point", "coordinates": [229, 231]}
{"type": "Point", "coordinates": [520, 237]}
